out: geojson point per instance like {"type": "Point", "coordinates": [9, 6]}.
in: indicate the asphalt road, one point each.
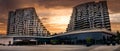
{"type": "Point", "coordinates": [60, 48]}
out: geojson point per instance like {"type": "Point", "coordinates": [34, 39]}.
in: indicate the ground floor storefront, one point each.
{"type": "Point", "coordinates": [79, 38]}
{"type": "Point", "coordinates": [71, 39]}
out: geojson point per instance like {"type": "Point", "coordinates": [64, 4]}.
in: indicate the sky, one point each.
{"type": "Point", "coordinates": [54, 14]}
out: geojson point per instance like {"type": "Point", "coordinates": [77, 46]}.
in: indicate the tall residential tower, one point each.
{"type": "Point", "coordinates": [25, 22]}
{"type": "Point", "coordinates": [91, 15]}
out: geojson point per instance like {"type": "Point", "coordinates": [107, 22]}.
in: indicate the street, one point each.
{"type": "Point", "coordinates": [60, 48]}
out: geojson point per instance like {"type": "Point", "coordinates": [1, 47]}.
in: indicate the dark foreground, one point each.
{"type": "Point", "coordinates": [60, 48]}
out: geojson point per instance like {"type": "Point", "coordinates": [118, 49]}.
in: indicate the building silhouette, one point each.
{"type": "Point", "coordinates": [25, 22]}
{"type": "Point", "coordinates": [91, 15]}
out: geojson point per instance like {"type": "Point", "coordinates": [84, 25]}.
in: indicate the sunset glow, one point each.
{"type": "Point", "coordinates": [54, 14]}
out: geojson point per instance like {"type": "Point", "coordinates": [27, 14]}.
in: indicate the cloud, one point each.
{"type": "Point", "coordinates": [114, 6]}
{"type": "Point", "coordinates": [55, 16]}
{"type": "Point", "coordinates": [56, 28]}
{"type": "Point", "coordinates": [115, 26]}
{"type": "Point", "coordinates": [52, 11]}
{"type": "Point", "coordinates": [3, 28]}
{"type": "Point", "coordinates": [115, 17]}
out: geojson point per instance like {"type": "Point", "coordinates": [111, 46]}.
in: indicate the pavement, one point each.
{"type": "Point", "coordinates": [61, 48]}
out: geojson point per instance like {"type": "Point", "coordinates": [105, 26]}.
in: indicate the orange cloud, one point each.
{"type": "Point", "coordinates": [54, 14]}
{"type": "Point", "coordinates": [3, 28]}
{"type": "Point", "coordinates": [115, 17]}
{"type": "Point", "coordinates": [56, 28]}
{"type": "Point", "coordinates": [55, 20]}
{"type": "Point", "coordinates": [115, 26]}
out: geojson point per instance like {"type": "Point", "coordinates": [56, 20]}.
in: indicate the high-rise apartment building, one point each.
{"type": "Point", "coordinates": [25, 22]}
{"type": "Point", "coordinates": [91, 15]}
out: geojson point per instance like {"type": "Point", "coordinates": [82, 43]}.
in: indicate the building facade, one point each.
{"type": "Point", "coordinates": [25, 22]}
{"type": "Point", "coordinates": [91, 15]}
{"type": "Point", "coordinates": [97, 36]}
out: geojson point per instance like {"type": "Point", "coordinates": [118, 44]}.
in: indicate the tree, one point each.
{"type": "Point", "coordinates": [118, 37]}
{"type": "Point", "coordinates": [54, 34]}
{"type": "Point", "coordinates": [88, 41]}
{"type": "Point", "coordinates": [54, 41]}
